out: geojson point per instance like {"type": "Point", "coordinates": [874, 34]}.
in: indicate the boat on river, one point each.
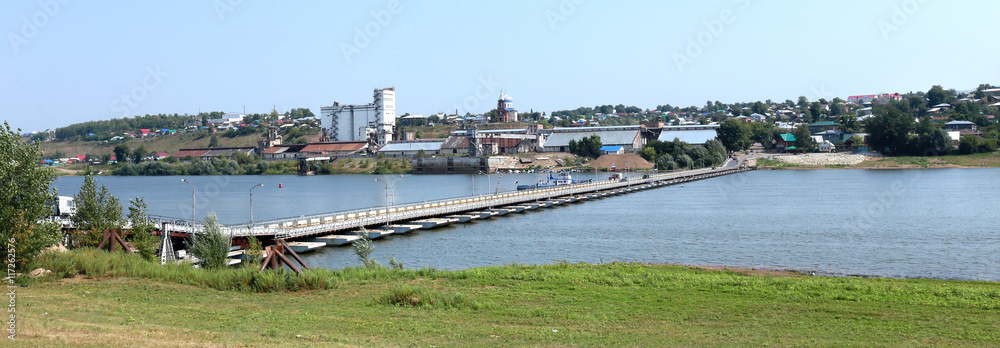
{"type": "Point", "coordinates": [562, 180]}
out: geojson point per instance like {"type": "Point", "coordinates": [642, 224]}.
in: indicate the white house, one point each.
{"type": "Point", "coordinates": [825, 146]}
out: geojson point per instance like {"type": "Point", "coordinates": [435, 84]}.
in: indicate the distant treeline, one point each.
{"type": "Point", "coordinates": [216, 166]}
{"type": "Point", "coordinates": [119, 125]}
{"type": "Point", "coordinates": [242, 164]}
{"type": "Point", "coordinates": [603, 109]}
{"type": "Point", "coordinates": [116, 126]}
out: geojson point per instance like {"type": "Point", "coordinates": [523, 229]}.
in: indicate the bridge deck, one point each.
{"type": "Point", "coordinates": [347, 221]}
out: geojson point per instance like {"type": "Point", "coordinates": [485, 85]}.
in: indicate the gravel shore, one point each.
{"type": "Point", "coordinates": [820, 159]}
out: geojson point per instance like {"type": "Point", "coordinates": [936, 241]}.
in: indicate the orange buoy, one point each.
{"type": "Point", "coordinates": [279, 185]}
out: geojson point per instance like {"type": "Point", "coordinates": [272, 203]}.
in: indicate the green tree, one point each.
{"type": "Point", "coordinates": [141, 236]}
{"type": "Point", "coordinates": [666, 162]}
{"type": "Point", "coordinates": [96, 210]}
{"type": "Point", "coordinates": [648, 153]}
{"type": "Point", "coordinates": [759, 132]}
{"type": "Point", "coordinates": [814, 111]}
{"type": "Point", "coordinates": [683, 161]}
{"type": "Point", "coordinates": [803, 102]}
{"type": "Point", "coordinates": [849, 123]}
{"type": "Point", "coordinates": [937, 142]}
{"type": "Point", "coordinates": [888, 131]}
{"type": "Point", "coordinates": [700, 156]}
{"type": "Point", "coordinates": [589, 147]}
{"type": "Point", "coordinates": [25, 201]}
{"type": "Point", "coordinates": [254, 252]}
{"type": "Point", "coordinates": [211, 246]}
{"type": "Point", "coordinates": [139, 154]}
{"type": "Point", "coordinates": [213, 141]}
{"type": "Point", "coordinates": [936, 95]}
{"type": "Point", "coordinates": [803, 139]}
{"type": "Point", "coordinates": [363, 248]}
{"type": "Point", "coordinates": [856, 140]}
{"type": "Point", "coordinates": [122, 152]}
{"type": "Point", "coordinates": [734, 135]}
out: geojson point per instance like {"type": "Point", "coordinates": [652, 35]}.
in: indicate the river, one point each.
{"type": "Point", "coordinates": [934, 223]}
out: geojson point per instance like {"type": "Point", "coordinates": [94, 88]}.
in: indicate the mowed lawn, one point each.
{"type": "Point", "coordinates": [554, 305]}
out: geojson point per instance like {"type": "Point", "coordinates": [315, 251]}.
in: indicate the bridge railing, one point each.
{"type": "Point", "coordinates": [373, 216]}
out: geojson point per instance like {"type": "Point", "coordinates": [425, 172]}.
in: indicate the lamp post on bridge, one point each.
{"type": "Point", "coordinates": [474, 183]}
{"type": "Point", "coordinates": [387, 201]}
{"type": "Point", "coordinates": [192, 204]}
{"type": "Point", "coordinates": [251, 206]}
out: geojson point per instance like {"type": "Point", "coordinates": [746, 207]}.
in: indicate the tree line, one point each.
{"type": "Point", "coordinates": [120, 125]}
{"type": "Point", "coordinates": [676, 154]}
{"type": "Point", "coordinates": [238, 164]}
{"type": "Point", "coordinates": [601, 109]}
{"type": "Point", "coordinates": [116, 126]}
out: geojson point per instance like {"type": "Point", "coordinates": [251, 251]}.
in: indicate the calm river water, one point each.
{"type": "Point", "coordinates": [938, 223]}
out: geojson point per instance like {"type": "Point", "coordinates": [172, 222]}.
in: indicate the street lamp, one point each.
{"type": "Point", "coordinates": [386, 199]}
{"type": "Point", "coordinates": [251, 206]}
{"type": "Point", "coordinates": [474, 183]}
{"type": "Point", "coordinates": [192, 204]}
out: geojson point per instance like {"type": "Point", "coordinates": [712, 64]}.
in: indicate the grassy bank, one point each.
{"type": "Point", "coordinates": [116, 300]}
{"type": "Point", "coordinates": [340, 166]}
{"type": "Point", "coordinates": [982, 160]}
{"type": "Point", "coordinates": [166, 143]}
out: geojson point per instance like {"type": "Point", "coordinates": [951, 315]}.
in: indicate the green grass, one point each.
{"type": "Point", "coordinates": [117, 300]}
{"type": "Point", "coordinates": [912, 161]}
{"type": "Point", "coordinates": [774, 164]}
{"type": "Point", "coordinates": [162, 143]}
{"type": "Point", "coordinates": [975, 160]}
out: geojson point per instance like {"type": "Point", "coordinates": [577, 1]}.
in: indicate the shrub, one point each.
{"type": "Point", "coordinates": [414, 296]}
{"type": "Point", "coordinates": [142, 237]}
{"type": "Point", "coordinates": [211, 246]}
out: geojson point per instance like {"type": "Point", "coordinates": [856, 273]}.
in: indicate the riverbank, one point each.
{"type": "Point", "coordinates": [230, 167]}
{"type": "Point", "coordinates": [849, 161]}
{"type": "Point", "coordinates": [563, 304]}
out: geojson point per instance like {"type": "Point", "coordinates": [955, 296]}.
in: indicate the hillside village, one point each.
{"type": "Point", "coordinates": [837, 125]}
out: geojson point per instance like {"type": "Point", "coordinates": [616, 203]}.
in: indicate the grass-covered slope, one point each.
{"type": "Point", "coordinates": [120, 300]}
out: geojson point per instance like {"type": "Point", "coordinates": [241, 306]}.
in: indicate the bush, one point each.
{"type": "Point", "coordinates": [211, 246]}
{"type": "Point", "coordinates": [414, 296]}
{"type": "Point", "coordinates": [142, 237]}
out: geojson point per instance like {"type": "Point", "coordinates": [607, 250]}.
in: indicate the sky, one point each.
{"type": "Point", "coordinates": [68, 61]}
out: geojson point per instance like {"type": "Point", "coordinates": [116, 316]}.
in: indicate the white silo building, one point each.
{"type": "Point", "coordinates": [355, 122]}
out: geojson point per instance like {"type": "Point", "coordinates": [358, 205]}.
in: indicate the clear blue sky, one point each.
{"type": "Point", "coordinates": [74, 62]}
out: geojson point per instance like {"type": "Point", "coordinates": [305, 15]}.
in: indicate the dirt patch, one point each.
{"type": "Point", "coordinates": [629, 160]}
{"type": "Point", "coordinates": [553, 160]}
{"type": "Point", "coordinates": [64, 171]}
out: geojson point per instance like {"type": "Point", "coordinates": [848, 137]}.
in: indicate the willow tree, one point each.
{"type": "Point", "coordinates": [26, 199]}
